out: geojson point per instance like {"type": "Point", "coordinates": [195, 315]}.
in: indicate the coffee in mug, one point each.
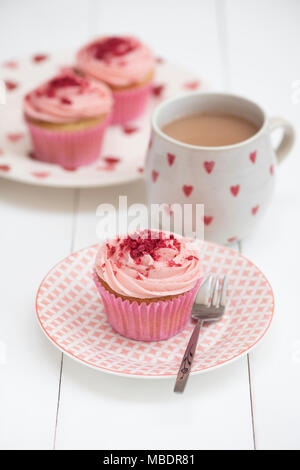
{"type": "Point", "coordinates": [210, 129]}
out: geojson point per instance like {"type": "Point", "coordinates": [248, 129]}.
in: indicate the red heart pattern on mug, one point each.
{"type": "Point", "coordinates": [272, 170]}
{"type": "Point", "coordinates": [235, 190]}
{"type": "Point", "coordinates": [171, 158]}
{"type": "Point", "coordinates": [208, 219]}
{"type": "Point", "coordinates": [254, 209]}
{"type": "Point", "coordinates": [209, 166]}
{"type": "Point", "coordinates": [252, 156]}
{"type": "Point", "coordinates": [187, 189]}
{"type": "Point", "coordinates": [154, 175]}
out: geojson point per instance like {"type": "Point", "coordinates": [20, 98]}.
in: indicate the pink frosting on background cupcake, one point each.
{"type": "Point", "coordinates": [119, 61]}
{"type": "Point", "coordinates": [141, 266]}
{"type": "Point", "coordinates": [68, 97]}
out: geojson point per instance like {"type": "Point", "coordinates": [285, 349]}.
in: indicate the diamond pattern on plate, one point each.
{"type": "Point", "coordinates": [71, 314]}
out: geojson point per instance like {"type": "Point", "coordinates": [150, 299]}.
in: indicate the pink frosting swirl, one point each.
{"type": "Point", "coordinates": [142, 266]}
{"type": "Point", "coordinates": [119, 61]}
{"type": "Point", "coordinates": [68, 97]}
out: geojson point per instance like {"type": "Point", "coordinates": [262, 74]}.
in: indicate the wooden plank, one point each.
{"type": "Point", "coordinates": [36, 226]}
{"type": "Point", "coordinates": [262, 38]}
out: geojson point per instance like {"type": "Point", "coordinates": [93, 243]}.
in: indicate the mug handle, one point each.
{"type": "Point", "coordinates": [288, 137]}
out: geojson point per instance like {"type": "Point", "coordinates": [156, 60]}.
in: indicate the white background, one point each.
{"type": "Point", "coordinates": [49, 401]}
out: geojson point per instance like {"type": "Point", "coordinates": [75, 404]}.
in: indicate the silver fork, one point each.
{"type": "Point", "coordinates": [209, 305]}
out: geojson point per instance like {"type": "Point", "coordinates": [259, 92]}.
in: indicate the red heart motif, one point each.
{"type": "Point", "coordinates": [140, 170]}
{"type": "Point", "coordinates": [187, 190]}
{"type": "Point", "coordinates": [110, 163]}
{"type": "Point", "coordinates": [154, 175]}
{"type": "Point", "coordinates": [168, 209]}
{"type": "Point", "coordinates": [171, 157]}
{"type": "Point", "coordinates": [192, 85]}
{"type": "Point", "coordinates": [39, 58]}
{"type": "Point", "coordinates": [208, 219]}
{"type": "Point", "coordinates": [130, 129]}
{"type": "Point", "coordinates": [272, 170]}
{"type": "Point", "coordinates": [10, 64]}
{"type": "Point", "coordinates": [252, 156]}
{"type": "Point", "coordinates": [209, 166]}
{"type": "Point", "coordinates": [231, 239]}
{"type": "Point", "coordinates": [70, 168]}
{"type": "Point", "coordinates": [254, 209]}
{"type": "Point", "coordinates": [159, 60]}
{"type": "Point", "coordinates": [235, 190]}
{"type": "Point", "coordinates": [10, 85]}
{"type": "Point", "coordinates": [4, 168]}
{"type": "Point", "coordinates": [15, 136]}
{"type": "Point", "coordinates": [40, 174]}
{"type": "Point", "coordinates": [111, 160]}
{"type": "Point", "coordinates": [158, 89]}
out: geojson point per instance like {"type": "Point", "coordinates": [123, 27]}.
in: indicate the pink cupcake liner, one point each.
{"type": "Point", "coordinates": [68, 149]}
{"type": "Point", "coordinates": [147, 322]}
{"type": "Point", "coordinates": [130, 104]}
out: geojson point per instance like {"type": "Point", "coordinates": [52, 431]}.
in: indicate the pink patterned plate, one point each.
{"type": "Point", "coordinates": [70, 313]}
{"type": "Point", "coordinates": [124, 147]}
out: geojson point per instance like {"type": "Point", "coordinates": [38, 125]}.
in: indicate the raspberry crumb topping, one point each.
{"type": "Point", "coordinates": [110, 250]}
{"type": "Point", "coordinates": [145, 243]}
{"type": "Point", "coordinates": [62, 82]}
{"type": "Point", "coordinates": [112, 47]}
{"type": "Point", "coordinates": [172, 264]}
{"type": "Point", "coordinates": [66, 101]}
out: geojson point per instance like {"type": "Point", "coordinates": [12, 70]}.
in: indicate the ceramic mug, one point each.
{"type": "Point", "coordinates": [234, 182]}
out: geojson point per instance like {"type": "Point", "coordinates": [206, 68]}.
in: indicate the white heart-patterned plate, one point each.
{"type": "Point", "coordinates": [124, 147]}
{"type": "Point", "coordinates": [71, 314]}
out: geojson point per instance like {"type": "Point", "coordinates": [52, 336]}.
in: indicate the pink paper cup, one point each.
{"type": "Point", "coordinates": [69, 149]}
{"type": "Point", "coordinates": [147, 322]}
{"type": "Point", "coordinates": [130, 104]}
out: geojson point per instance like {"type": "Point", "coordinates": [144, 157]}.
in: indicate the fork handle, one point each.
{"type": "Point", "coordinates": [187, 361]}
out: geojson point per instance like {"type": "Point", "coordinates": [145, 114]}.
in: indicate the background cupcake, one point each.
{"type": "Point", "coordinates": [127, 66]}
{"type": "Point", "coordinates": [67, 117]}
{"type": "Point", "coordinates": [148, 282]}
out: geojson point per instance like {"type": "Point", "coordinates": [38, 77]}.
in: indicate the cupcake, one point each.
{"type": "Point", "coordinates": [67, 117]}
{"type": "Point", "coordinates": [148, 282]}
{"type": "Point", "coordinates": [127, 66]}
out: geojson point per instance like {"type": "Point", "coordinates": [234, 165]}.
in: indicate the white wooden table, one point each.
{"type": "Point", "coordinates": [49, 401]}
